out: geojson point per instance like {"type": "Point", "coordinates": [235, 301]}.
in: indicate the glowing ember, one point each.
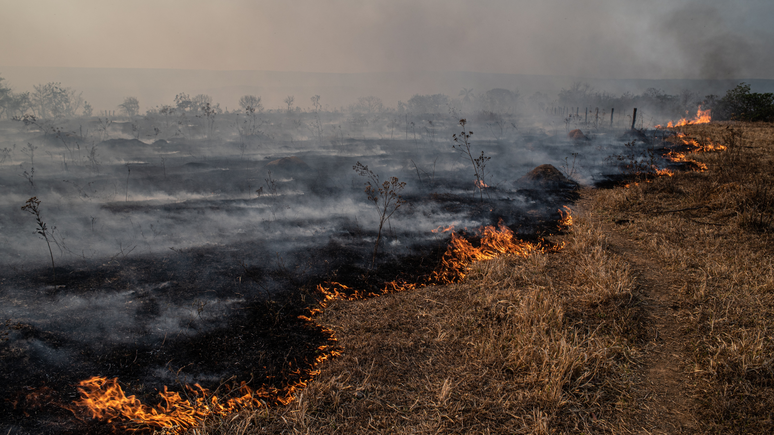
{"type": "Point", "coordinates": [480, 184]}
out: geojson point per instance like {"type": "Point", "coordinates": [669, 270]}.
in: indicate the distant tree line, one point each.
{"type": "Point", "coordinates": [52, 100]}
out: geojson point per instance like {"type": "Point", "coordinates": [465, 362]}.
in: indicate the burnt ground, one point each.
{"type": "Point", "coordinates": [260, 340]}
{"type": "Point", "coordinates": [257, 339]}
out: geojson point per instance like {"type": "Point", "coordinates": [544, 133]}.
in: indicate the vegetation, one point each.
{"type": "Point", "coordinates": [33, 207]}
{"type": "Point", "coordinates": [742, 105]}
{"type": "Point", "coordinates": [385, 196]}
{"type": "Point", "coordinates": [462, 144]}
{"type": "Point", "coordinates": [130, 106]}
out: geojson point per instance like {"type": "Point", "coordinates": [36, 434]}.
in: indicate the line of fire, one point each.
{"type": "Point", "coordinates": [162, 333]}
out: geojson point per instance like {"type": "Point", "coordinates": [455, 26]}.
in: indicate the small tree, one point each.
{"type": "Point", "coordinates": [251, 103]}
{"type": "Point", "coordinates": [51, 99]}
{"type": "Point", "coordinates": [130, 106]}
{"type": "Point", "coordinates": [33, 208]}
{"type": "Point", "coordinates": [385, 196]}
{"type": "Point", "coordinates": [289, 101]}
{"type": "Point", "coordinates": [87, 109]}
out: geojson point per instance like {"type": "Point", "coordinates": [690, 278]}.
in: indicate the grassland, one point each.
{"type": "Point", "coordinates": [657, 317]}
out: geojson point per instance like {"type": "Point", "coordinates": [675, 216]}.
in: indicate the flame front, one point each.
{"type": "Point", "coordinates": [565, 220]}
{"type": "Point", "coordinates": [702, 117]}
{"type": "Point", "coordinates": [103, 398]}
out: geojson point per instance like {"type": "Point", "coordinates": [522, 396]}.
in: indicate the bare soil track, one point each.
{"type": "Point", "coordinates": [664, 387]}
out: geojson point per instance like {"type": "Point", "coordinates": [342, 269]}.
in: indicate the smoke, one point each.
{"type": "Point", "coordinates": [707, 46]}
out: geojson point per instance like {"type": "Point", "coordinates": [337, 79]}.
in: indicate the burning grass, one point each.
{"type": "Point", "coordinates": [714, 229]}
{"type": "Point", "coordinates": [530, 342]}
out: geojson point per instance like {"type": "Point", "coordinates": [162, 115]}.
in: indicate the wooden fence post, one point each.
{"type": "Point", "coordinates": [634, 118]}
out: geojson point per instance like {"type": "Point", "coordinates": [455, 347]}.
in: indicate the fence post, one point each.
{"type": "Point", "coordinates": [634, 118]}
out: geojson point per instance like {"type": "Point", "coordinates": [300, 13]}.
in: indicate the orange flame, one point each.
{"type": "Point", "coordinates": [442, 229]}
{"type": "Point", "coordinates": [702, 117]}
{"type": "Point", "coordinates": [565, 221]}
{"type": "Point", "coordinates": [104, 399]}
{"type": "Point", "coordinates": [480, 184]}
{"type": "Point", "coordinates": [663, 172]}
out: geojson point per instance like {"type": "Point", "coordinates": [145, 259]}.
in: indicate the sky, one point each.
{"type": "Point", "coordinates": [651, 39]}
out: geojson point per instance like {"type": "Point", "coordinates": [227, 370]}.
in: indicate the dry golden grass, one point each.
{"type": "Point", "coordinates": [715, 230]}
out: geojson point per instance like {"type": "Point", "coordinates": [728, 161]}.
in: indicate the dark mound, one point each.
{"type": "Point", "coordinates": [577, 135]}
{"type": "Point", "coordinates": [545, 177]}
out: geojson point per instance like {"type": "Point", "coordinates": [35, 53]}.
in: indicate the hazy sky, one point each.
{"type": "Point", "coordinates": [594, 38]}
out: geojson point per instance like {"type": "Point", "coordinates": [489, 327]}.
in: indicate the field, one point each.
{"type": "Point", "coordinates": [655, 318]}
{"type": "Point", "coordinates": [248, 272]}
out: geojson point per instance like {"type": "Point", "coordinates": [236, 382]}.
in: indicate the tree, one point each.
{"type": "Point", "coordinates": [289, 101]}
{"type": "Point", "coordinates": [183, 102]}
{"type": "Point", "coordinates": [200, 101]}
{"type": "Point", "coordinates": [51, 99]}
{"type": "Point", "coordinates": [435, 103]}
{"type": "Point", "coordinates": [18, 104]}
{"type": "Point", "coordinates": [87, 109]}
{"type": "Point", "coordinates": [130, 106]}
{"type": "Point", "coordinates": [369, 105]}
{"type": "Point", "coordinates": [742, 105]}
{"type": "Point", "coordinates": [249, 102]}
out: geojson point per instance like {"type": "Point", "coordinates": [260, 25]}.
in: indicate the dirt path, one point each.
{"type": "Point", "coordinates": [664, 387]}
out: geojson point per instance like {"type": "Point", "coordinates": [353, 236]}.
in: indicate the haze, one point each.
{"type": "Point", "coordinates": [597, 38]}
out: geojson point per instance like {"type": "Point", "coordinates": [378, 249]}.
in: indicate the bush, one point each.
{"type": "Point", "coordinates": [740, 104]}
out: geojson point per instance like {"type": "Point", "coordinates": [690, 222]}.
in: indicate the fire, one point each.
{"type": "Point", "coordinates": [677, 157]}
{"type": "Point", "coordinates": [702, 117]}
{"type": "Point", "coordinates": [664, 172]}
{"type": "Point", "coordinates": [565, 220]}
{"type": "Point", "coordinates": [480, 184]}
{"type": "Point", "coordinates": [103, 398]}
{"type": "Point", "coordinates": [459, 255]}
{"type": "Point", "coordinates": [442, 229]}
{"type": "Point", "coordinates": [494, 242]}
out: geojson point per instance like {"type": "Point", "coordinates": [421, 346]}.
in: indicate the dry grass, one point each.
{"type": "Point", "coordinates": [536, 345]}
{"type": "Point", "coordinates": [721, 244]}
